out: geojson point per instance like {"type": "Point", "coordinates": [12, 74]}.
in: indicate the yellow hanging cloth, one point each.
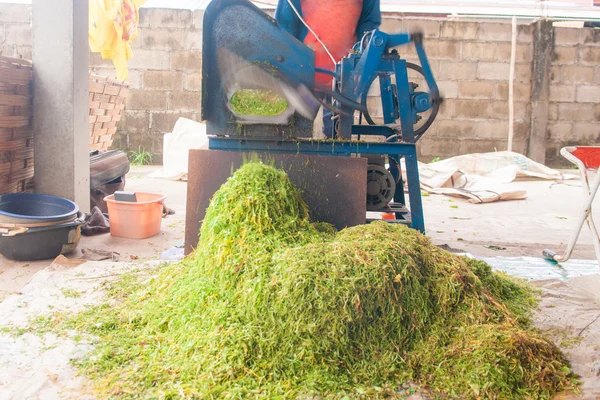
{"type": "Point", "coordinates": [113, 25]}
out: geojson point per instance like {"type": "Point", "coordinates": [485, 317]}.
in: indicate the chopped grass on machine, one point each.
{"type": "Point", "coordinates": [273, 306]}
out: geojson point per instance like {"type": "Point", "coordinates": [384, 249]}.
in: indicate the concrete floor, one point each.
{"type": "Point", "coordinates": [524, 228]}
{"type": "Point", "coordinates": [15, 275]}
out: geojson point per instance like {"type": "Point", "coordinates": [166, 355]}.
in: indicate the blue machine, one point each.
{"type": "Point", "coordinates": [243, 48]}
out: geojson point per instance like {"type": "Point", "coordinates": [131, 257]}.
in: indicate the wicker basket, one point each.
{"type": "Point", "coordinates": [16, 131]}
{"type": "Point", "coordinates": [107, 102]}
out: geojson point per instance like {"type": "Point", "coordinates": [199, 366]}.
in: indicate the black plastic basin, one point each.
{"type": "Point", "coordinates": [31, 208]}
{"type": "Point", "coordinates": [42, 243]}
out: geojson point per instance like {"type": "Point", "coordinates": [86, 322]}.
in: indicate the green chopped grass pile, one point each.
{"type": "Point", "coordinates": [265, 103]}
{"type": "Point", "coordinates": [272, 306]}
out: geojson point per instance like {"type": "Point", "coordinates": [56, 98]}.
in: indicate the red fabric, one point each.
{"type": "Point", "coordinates": [334, 22]}
{"type": "Point", "coordinates": [589, 156]}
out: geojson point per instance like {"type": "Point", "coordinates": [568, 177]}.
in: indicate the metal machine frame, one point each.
{"type": "Point", "coordinates": [373, 57]}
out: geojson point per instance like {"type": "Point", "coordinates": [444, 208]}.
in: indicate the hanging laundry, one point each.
{"type": "Point", "coordinates": [113, 25]}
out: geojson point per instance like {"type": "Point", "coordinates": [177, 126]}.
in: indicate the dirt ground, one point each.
{"type": "Point", "coordinates": [524, 228]}
{"type": "Point", "coordinates": [14, 275]}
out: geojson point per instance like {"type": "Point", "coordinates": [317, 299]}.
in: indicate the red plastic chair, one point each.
{"type": "Point", "coordinates": [586, 158]}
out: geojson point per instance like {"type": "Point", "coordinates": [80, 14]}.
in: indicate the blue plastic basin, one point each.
{"type": "Point", "coordinates": [28, 208]}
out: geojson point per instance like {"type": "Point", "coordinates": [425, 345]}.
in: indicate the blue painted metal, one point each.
{"type": "Point", "coordinates": [341, 148]}
{"type": "Point", "coordinates": [239, 28]}
{"type": "Point", "coordinates": [258, 40]}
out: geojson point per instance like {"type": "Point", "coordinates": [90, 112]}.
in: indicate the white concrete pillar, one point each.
{"type": "Point", "coordinates": [61, 99]}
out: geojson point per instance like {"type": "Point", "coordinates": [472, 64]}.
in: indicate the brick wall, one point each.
{"type": "Point", "coordinates": [470, 60]}
{"type": "Point", "coordinates": [574, 112]}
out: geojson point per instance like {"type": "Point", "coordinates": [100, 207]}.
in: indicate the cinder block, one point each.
{"type": "Point", "coordinates": [560, 130]}
{"type": "Point", "coordinates": [448, 89]}
{"type": "Point", "coordinates": [146, 100]}
{"type": "Point", "coordinates": [553, 111]}
{"type": "Point", "coordinates": [489, 31]}
{"type": "Point", "coordinates": [17, 34]}
{"type": "Point", "coordinates": [522, 131]}
{"type": "Point", "coordinates": [477, 89]}
{"type": "Point", "coordinates": [149, 142]}
{"type": "Point", "coordinates": [16, 51]}
{"type": "Point", "coordinates": [193, 39]}
{"type": "Point", "coordinates": [186, 60]}
{"type": "Point", "coordinates": [165, 18]}
{"type": "Point", "coordinates": [483, 146]}
{"type": "Point", "coordinates": [184, 101]}
{"type": "Point", "coordinates": [443, 49]}
{"type": "Point", "coordinates": [524, 33]}
{"type": "Point", "coordinates": [493, 71]}
{"type": "Point", "coordinates": [163, 80]}
{"type": "Point", "coordinates": [96, 60]}
{"type": "Point", "coordinates": [431, 146]}
{"type": "Point", "coordinates": [597, 76]}
{"type": "Point", "coordinates": [135, 122]}
{"type": "Point", "coordinates": [588, 94]}
{"type": "Point", "coordinates": [459, 30]}
{"type": "Point", "coordinates": [134, 80]}
{"type": "Point", "coordinates": [429, 27]}
{"type": "Point", "coordinates": [163, 39]}
{"type": "Point", "coordinates": [575, 112]}
{"type": "Point", "coordinates": [577, 74]}
{"type": "Point", "coordinates": [499, 110]}
{"type": "Point", "coordinates": [450, 70]}
{"type": "Point", "coordinates": [164, 122]}
{"type": "Point", "coordinates": [565, 55]}
{"type": "Point", "coordinates": [455, 129]}
{"type": "Point", "coordinates": [479, 51]}
{"type": "Point", "coordinates": [522, 91]}
{"type": "Point", "coordinates": [566, 36]}
{"type": "Point", "coordinates": [590, 55]}
{"type": "Point", "coordinates": [137, 42]}
{"type": "Point", "coordinates": [491, 129]}
{"type": "Point", "coordinates": [562, 93]}
{"type": "Point", "coordinates": [374, 106]}
{"type": "Point", "coordinates": [193, 81]}
{"type": "Point", "coordinates": [597, 112]}
{"type": "Point", "coordinates": [523, 72]}
{"type": "Point", "coordinates": [589, 36]}
{"type": "Point", "coordinates": [555, 74]}
{"type": "Point", "coordinates": [522, 53]}
{"type": "Point", "coordinates": [375, 89]}
{"type": "Point", "coordinates": [150, 60]}
{"type": "Point", "coordinates": [522, 111]}
{"type": "Point", "coordinates": [446, 110]}
{"type": "Point", "coordinates": [15, 13]}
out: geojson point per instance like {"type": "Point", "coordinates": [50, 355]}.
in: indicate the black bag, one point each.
{"type": "Point", "coordinates": [107, 175]}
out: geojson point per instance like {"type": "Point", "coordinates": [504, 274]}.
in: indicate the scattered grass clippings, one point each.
{"type": "Point", "coordinates": [273, 306]}
{"type": "Point", "coordinates": [495, 247]}
{"type": "Point", "coordinates": [71, 293]}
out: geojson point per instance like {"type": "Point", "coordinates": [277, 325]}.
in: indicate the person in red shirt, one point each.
{"type": "Point", "coordinates": [339, 24]}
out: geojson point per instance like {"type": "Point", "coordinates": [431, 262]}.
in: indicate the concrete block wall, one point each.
{"type": "Point", "coordinates": [15, 30]}
{"type": "Point", "coordinates": [574, 113]}
{"type": "Point", "coordinates": [471, 63]}
{"type": "Point", "coordinates": [470, 60]}
{"type": "Point", "coordinates": [165, 75]}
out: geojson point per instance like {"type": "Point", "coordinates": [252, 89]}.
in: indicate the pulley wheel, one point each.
{"type": "Point", "coordinates": [381, 187]}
